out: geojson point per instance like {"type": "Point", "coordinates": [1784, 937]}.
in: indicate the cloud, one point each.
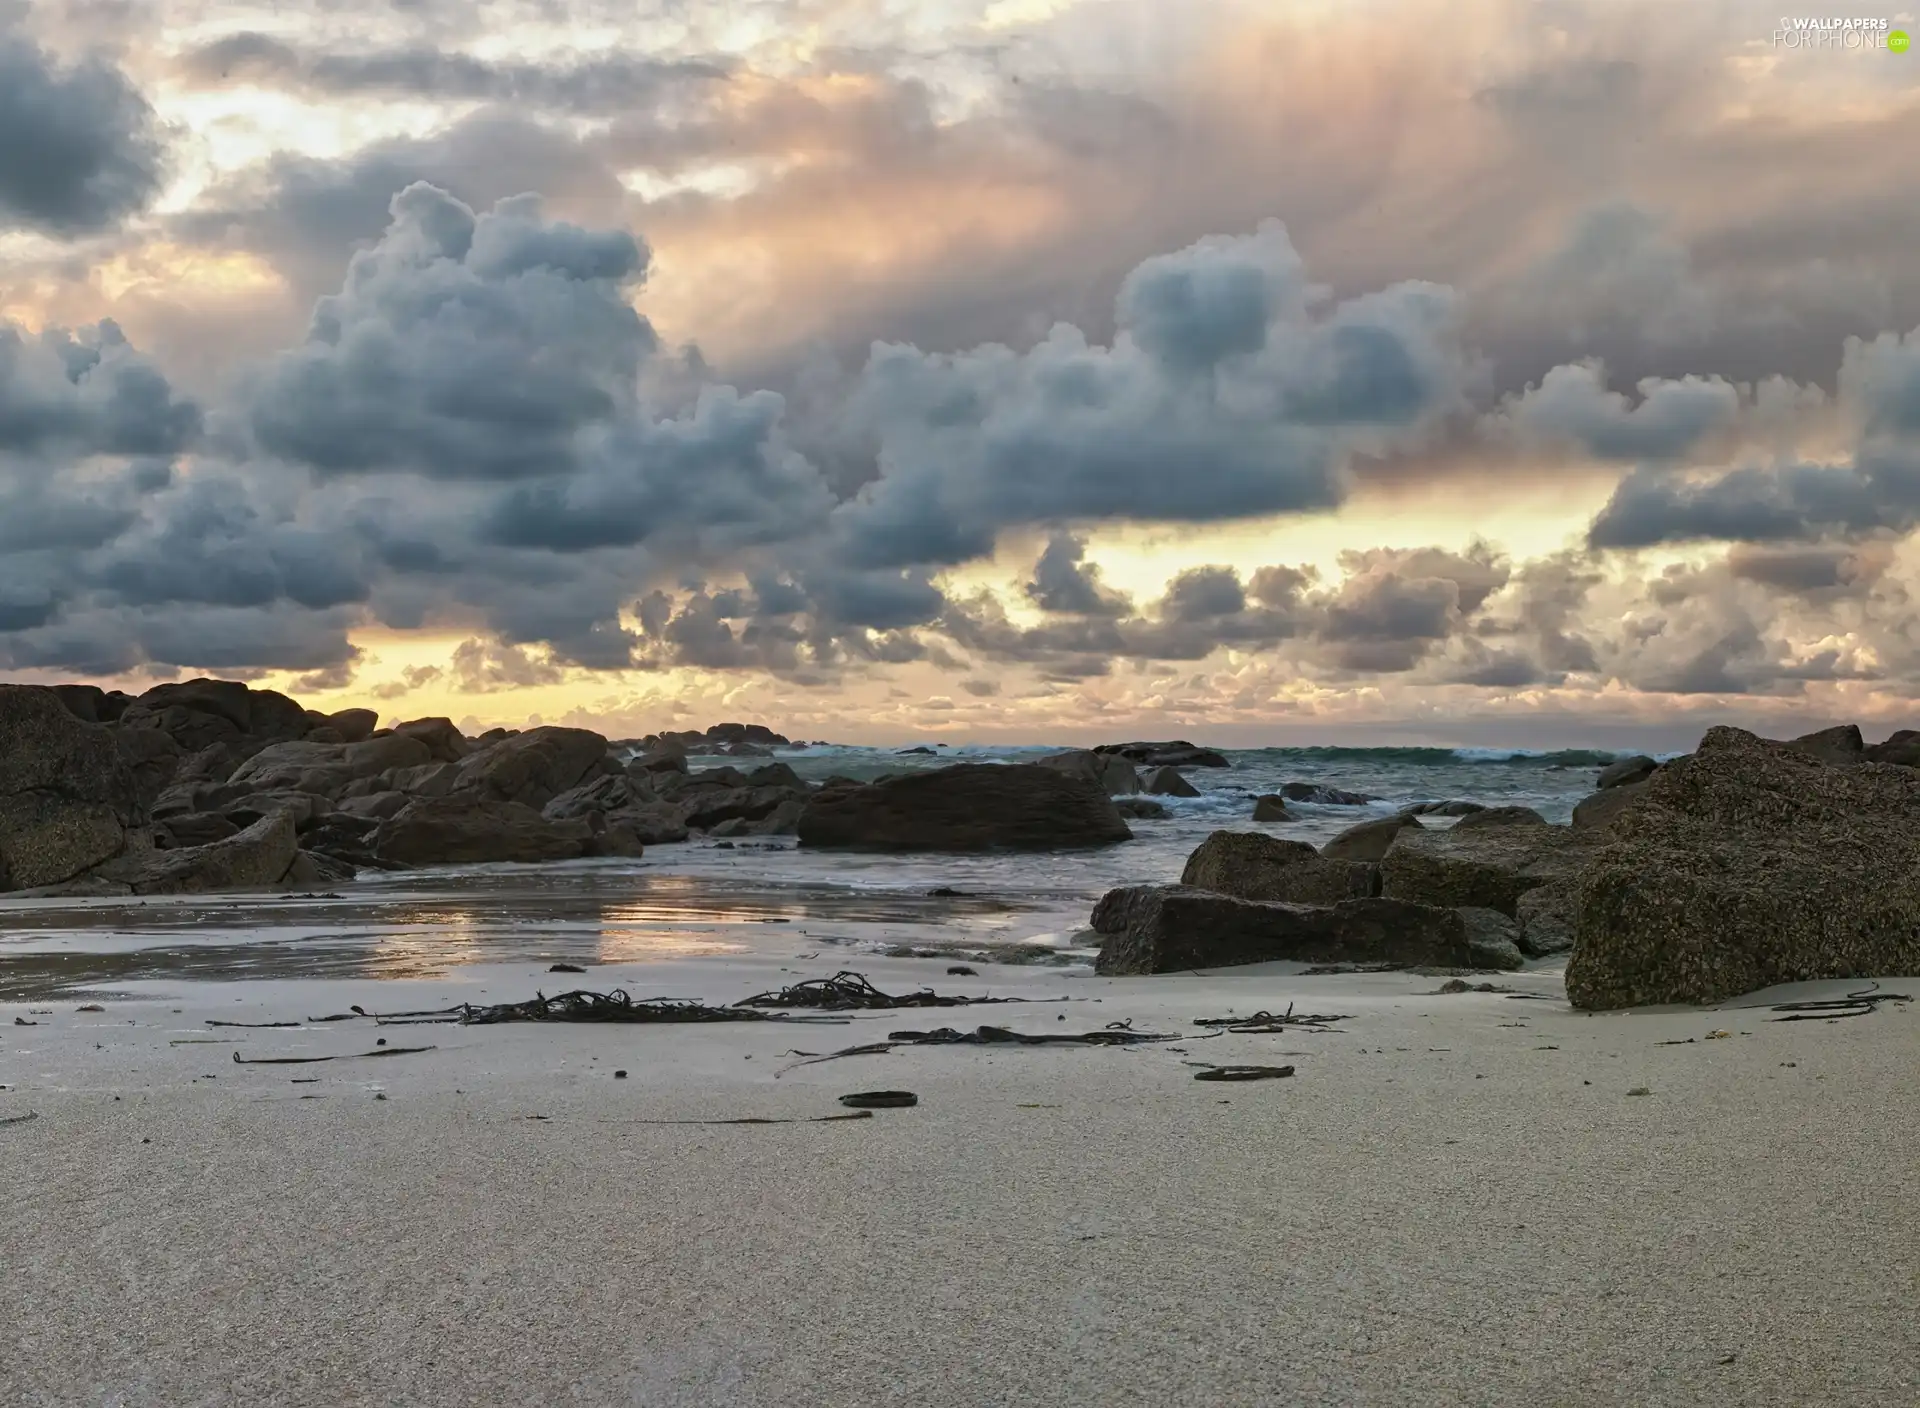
{"type": "Point", "coordinates": [1202, 410]}
{"type": "Point", "coordinates": [1572, 405]}
{"type": "Point", "coordinates": [1064, 582]}
{"type": "Point", "coordinates": [82, 149]}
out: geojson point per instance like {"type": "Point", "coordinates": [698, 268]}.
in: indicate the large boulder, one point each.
{"type": "Point", "coordinates": [1901, 746]}
{"type": "Point", "coordinates": [1251, 865]}
{"type": "Point", "coordinates": [325, 769]}
{"type": "Point", "coordinates": [1545, 916]}
{"type": "Point", "coordinates": [257, 857]}
{"type": "Point", "coordinates": [67, 796]}
{"type": "Point", "coordinates": [534, 767]}
{"type": "Point", "coordinates": [1487, 867]}
{"type": "Point", "coordinates": [1747, 864]}
{"type": "Point", "coordinates": [201, 712]}
{"type": "Point", "coordinates": [468, 828]}
{"type": "Point", "coordinates": [1840, 746]}
{"type": "Point", "coordinates": [1115, 774]}
{"type": "Point", "coordinates": [153, 757]}
{"type": "Point", "coordinates": [91, 704]}
{"type": "Point", "coordinates": [1455, 808]}
{"type": "Point", "coordinates": [967, 807]}
{"type": "Point", "coordinates": [1602, 809]}
{"type": "Point", "coordinates": [1500, 816]}
{"type": "Point", "coordinates": [1174, 928]}
{"type": "Point", "coordinates": [1167, 782]}
{"type": "Point", "coordinates": [1624, 772]}
{"type": "Point", "coordinates": [445, 743]}
{"type": "Point", "coordinates": [353, 725]}
{"type": "Point", "coordinates": [1321, 795]}
{"type": "Point", "coordinates": [1369, 840]}
{"type": "Point", "coordinates": [1176, 754]}
{"type": "Point", "coordinates": [1271, 807]}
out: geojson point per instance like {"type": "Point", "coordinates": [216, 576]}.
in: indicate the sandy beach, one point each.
{"type": "Point", "coordinates": [1455, 1200]}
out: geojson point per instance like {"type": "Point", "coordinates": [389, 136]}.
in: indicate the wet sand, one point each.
{"type": "Point", "coordinates": [1438, 1208]}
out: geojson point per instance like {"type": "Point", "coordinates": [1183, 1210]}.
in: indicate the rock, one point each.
{"type": "Point", "coordinates": [1486, 868]}
{"type": "Point", "coordinates": [1368, 840]}
{"type": "Point", "coordinates": [379, 805]}
{"type": "Point", "coordinates": [421, 780]}
{"type": "Point", "coordinates": [1250, 865]}
{"type": "Point", "coordinates": [469, 828]}
{"type": "Point", "coordinates": [1167, 782]}
{"type": "Point", "coordinates": [1493, 939]}
{"type": "Point", "coordinates": [1177, 754]}
{"type": "Point", "coordinates": [649, 764]}
{"type": "Point", "coordinates": [776, 775]}
{"type": "Point", "coordinates": [1443, 809]}
{"type": "Point", "coordinates": [202, 712]}
{"type": "Point", "coordinates": [1140, 808]}
{"type": "Point", "coordinates": [152, 757]}
{"type": "Point", "coordinates": [1323, 796]}
{"type": "Point", "coordinates": [347, 839]}
{"type": "Point", "coordinates": [1271, 808]}
{"type": "Point", "coordinates": [1902, 747]}
{"type": "Point", "coordinates": [534, 767]}
{"type": "Point", "coordinates": [1840, 746]}
{"type": "Point", "coordinates": [67, 795]}
{"type": "Point", "coordinates": [1114, 774]}
{"type": "Point", "coordinates": [445, 744]}
{"type": "Point", "coordinates": [707, 808]}
{"type": "Point", "coordinates": [603, 794]}
{"type": "Point", "coordinates": [91, 704]}
{"type": "Point", "coordinates": [1602, 809]}
{"type": "Point", "coordinates": [1174, 928]}
{"type": "Point", "coordinates": [313, 871]}
{"type": "Point", "coordinates": [921, 752]}
{"type": "Point", "coordinates": [744, 750]}
{"type": "Point", "coordinates": [325, 769]}
{"type": "Point", "coordinates": [966, 807]}
{"type": "Point", "coordinates": [1546, 918]}
{"type": "Point", "coordinates": [652, 823]}
{"type": "Point", "coordinates": [353, 725]}
{"type": "Point", "coordinates": [193, 829]}
{"type": "Point", "coordinates": [1625, 772]}
{"type": "Point", "coordinates": [254, 858]}
{"type": "Point", "coordinates": [1500, 816]}
{"type": "Point", "coordinates": [326, 733]}
{"type": "Point", "coordinates": [247, 809]}
{"type": "Point", "coordinates": [1747, 864]}
{"type": "Point", "coordinates": [746, 733]}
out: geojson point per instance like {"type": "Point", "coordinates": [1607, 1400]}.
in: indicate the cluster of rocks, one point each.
{"type": "Point", "coordinates": [1747, 863]}
{"type": "Point", "coordinates": [211, 785]}
{"type": "Point", "coordinates": [718, 741]}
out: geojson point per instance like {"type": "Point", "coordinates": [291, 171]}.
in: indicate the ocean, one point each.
{"type": "Point", "coordinates": [753, 896]}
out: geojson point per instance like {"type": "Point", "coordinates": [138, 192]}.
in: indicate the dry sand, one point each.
{"type": "Point", "coordinates": [1455, 1201]}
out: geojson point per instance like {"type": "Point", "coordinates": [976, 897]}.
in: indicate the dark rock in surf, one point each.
{"type": "Point", "coordinates": [965, 807]}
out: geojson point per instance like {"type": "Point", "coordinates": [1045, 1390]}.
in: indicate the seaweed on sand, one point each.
{"type": "Point", "coordinates": [1113, 1034]}
{"type": "Point", "coordinates": [615, 1006]}
{"type": "Point", "coordinates": [846, 992]}
{"type": "Point", "coordinates": [1268, 1022]}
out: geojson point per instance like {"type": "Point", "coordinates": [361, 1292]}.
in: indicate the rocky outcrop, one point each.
{"type": "Point", "coordinates": [1177, 754]}
{"type": "Point", "coordinates": [67, 795]}
{"type": "Point", "coordinates": [1499, 816]}
{"type": "Point", "coordinates": [735, 740]}
{"type": "Point", "coordinates": [1488, 867]}
{"type": "Point", "coordinates": [1323, 796]}
{"type": "Point", "coordinates": [1115, 775]}
{"type": "Point", "coordinates": [1624, 772]}
{"type": "Point", "coordinates": [1176, 928]}
{"type": "Point", "coordinates": [534, 767]}
{"type": "Point", "coordinates": [1271, 807]}
{"type": "Point", "coordinates": [1747, 864]}
{"type": "Point", "coordinates": [1901, 746]}
{"type": "Point", "coordinates": [1368, 840]}
{"type": "Point", "coordinates": [1602, 809]}
{"type": "Point", "coordinates": [1251, 865]}
{"type": "Point", "coordinates": [257, 857]}
{"type": "Point", "coordinates": [1840, 746]}
{"type": "Point", "coordinates": [470, 828]}
{"type": "Point", "coordinates": [325, 769]}
{"type": "Point", "coordinates": [1167, 782]}
{"type": "Point", "coordinates": [966, 807]}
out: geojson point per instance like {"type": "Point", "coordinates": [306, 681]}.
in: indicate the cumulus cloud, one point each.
{"type": "Point", "coordinates": [82, 147]}
{"type": "Point", "coordinates": [1572, 405]}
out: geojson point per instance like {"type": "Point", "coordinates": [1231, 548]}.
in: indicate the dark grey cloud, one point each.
{"type": "Point", "coordinates": [81, 148]}
{"type": "Point", "coordinates": [1194, 414]}
{"type": "Point", "coordinates": [1064, 581]}
{"type": "Point", "coordinates": [87, 392]}
{"type": "Point", "coordinates": [461, 347]}
{"type": "Point", "coordinates": [1572, 404]}
{"type": "Point", "coordinates": [601, 84]}
{"type": "Point", "coordinates": [1750, 505]}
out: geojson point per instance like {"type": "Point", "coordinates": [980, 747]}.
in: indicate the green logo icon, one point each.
{"type": "Point", "coordinates": [1897, 40]}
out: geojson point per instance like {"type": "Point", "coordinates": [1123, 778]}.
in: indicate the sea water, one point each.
{"type": "Point", "coordinates": [752, 895]}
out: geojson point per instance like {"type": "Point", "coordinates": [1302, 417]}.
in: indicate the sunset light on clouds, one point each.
{"type": "Point", "coordinates": [1014, 369]}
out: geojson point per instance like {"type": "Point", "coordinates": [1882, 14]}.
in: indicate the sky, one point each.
{"type": "Point", "coordinates": [1483, 372]}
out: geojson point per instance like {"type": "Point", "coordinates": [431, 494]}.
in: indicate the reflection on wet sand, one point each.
{"type": "Point", "coordinates": [386, 931]}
